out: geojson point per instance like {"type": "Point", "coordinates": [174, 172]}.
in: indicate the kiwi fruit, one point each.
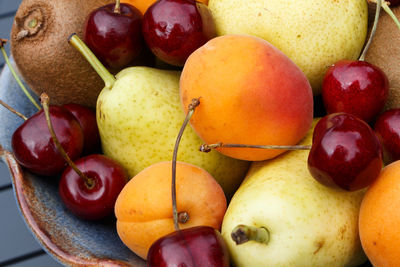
{"type": "Point", "coordinates": [47, 63]}
{"type": "Point", "coordinates": [384, 52]}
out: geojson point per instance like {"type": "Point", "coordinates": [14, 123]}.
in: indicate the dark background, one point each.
{"type": "Point", "coordinates": [18, 247]}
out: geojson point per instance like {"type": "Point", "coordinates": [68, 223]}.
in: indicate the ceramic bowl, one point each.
{"type": "Point", "coordinates": [69, 240]}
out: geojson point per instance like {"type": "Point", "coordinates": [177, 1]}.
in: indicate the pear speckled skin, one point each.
{"type": "Point", "coordinates": [139, 119]}
{"type": "Point", "coordinates": [309, 224]}
{"type": "Point", "coordinates": [314, 34]}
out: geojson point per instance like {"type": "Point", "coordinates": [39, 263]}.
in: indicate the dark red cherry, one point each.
{"type": "Point", "coordinates": [387, 128]}
{"type": "Point", "coordinates": [355, 87]}
{"type": "Point", "coordinates": [94, 201]}
{"type": "Point", "coordinates": [345, 152]}
{"type": "Point", "coordinates": [114, 37]}
{"type": "Point", "coordinates": [33, 146]}
{"type": "Point", "coordinates": [87, 119]}
{"type": "Point", "coordinates": [191, 247]}
{"type": "Point", "coordinates": [173, 29]}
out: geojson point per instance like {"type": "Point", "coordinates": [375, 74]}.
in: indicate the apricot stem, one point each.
{"type": "Point", "coordinates": [44, 99]}
{"type": "Point", "coordinates": [21, 85]}
{"type": "Point", "coordinates": [208, 147]}
{"type": "Point", "coordinates": [183, 217]}
{"type": "Point", "coordinates": [192, 106]}
{"type": "Point", "coordinates": [373, 30]}
{"type": "Point", "coordinates": [4, 104]}
{"type": "Point", "coordinates": [244, 233]}
{"type": "Point", "coordinates": [117, 8]}
{"type": "Point", "coordinates": [102, 71]}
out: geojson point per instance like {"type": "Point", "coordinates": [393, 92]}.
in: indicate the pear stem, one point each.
{"type": "Point", "coordinates": [208, 147]}
{"type": "Point", "coordinates": [192, 106]}
{"type": "Point", "coordinates": [244, 233]}
{"type": "Point", "coordinates": [21, 85]}
{"type": "Point", "coordinates": [373, 30]}
{"type": "Point", "coordinates": [44, 99]}
{"type": "Point", "coordinates": [104, 74]}
{"type": "Point", "coordinates": [117, 8]}
{"type": "Point", "coordinates": [4, 104]}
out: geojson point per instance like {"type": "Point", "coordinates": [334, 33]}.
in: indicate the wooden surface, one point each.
{"type": "Point", "coordinates": [18, 247]}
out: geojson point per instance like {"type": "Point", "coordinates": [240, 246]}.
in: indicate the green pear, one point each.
{"type": "Point", "coordinates": [314, 34]}
{"type": "Point", "coordinates": [289, 219]}
{"type": "Point", "coordinates": [139, 116]}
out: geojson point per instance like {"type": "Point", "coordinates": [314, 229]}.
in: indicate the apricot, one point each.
{"type": "Point", "coordinates": [379, 218]}
{"type": "Point", "coordinates": [144, 206]}
{"type": "Point", "coordinates": [143, 5]}
{"type": "Point", "coordinates": [250, 93]}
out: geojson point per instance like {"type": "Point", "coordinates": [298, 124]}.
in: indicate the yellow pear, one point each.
{"type": "Point", "coordinates": [292, 219]}
{"type": "Point", "coordinates": [314, 34]}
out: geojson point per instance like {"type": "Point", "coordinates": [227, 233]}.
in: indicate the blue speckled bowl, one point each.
{"type": "Point", "coordinates": [71, 241]}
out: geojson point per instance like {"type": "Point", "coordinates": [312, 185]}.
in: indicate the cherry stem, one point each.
{"type": "Point", "coordinates": [104, 74]}
{"type": "Point", "coordinates": [4, 104]}
{"type": "Point", "coordinates": [192, 106]}
{"type": "Point", "coordinates": [244, 233]}
{"type": "Point", "coordinates": [117, 8]}
{"type": "Point", "coordinates": [21, 85]}
{"type": "Point", "coordinates": [387, 9]}
{"type": "Point", "coordinates": [385, 6]}
{"type": "Point", "coordinates": [44, 99]}
{"type": "Point", "coordinates": [208, 147]}
{"type": "Point", "coordinates": [373, 30]}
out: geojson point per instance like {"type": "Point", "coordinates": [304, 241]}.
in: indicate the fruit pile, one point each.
{"type": "Point", "coordinates": [252, 133]}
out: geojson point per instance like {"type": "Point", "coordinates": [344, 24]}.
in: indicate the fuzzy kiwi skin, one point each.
{"type": "Point", "coordinates": [43, 56]}
{"type": "Point", "coordinates": [384, 52]}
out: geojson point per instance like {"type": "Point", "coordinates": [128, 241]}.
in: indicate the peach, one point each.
{"type": "Point", "coordinates": [250, 93]}
{"type": "Point", "coordinates": [144, 206]}
{"type": "Point", "coordinates": [143, 5]}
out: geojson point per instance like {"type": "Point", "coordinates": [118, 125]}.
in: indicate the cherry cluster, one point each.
{"type": "Point", "coordinates": [172, 29]}
{"type": "Point", "coordinates": [352, 142]}
{"type": "Point", "coordinates": [361, 89]}
{"type": "Point", "coordinates": [48, 142]}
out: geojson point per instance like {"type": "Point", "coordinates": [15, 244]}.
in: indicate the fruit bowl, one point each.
{"type": "Point", "coordinates": [70, 240]}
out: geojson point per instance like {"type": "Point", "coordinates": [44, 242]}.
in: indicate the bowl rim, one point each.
{"type": "Point", "coordinates": [19, 188]}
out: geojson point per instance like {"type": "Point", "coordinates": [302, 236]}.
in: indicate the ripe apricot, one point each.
{"type": "Point", "coordinates": [143, 5]}
{"type": "Point", "coordinates": [250, 93]}
{"type": "Point", "coordinates": [144, 206]}
{"type": "Point", "coordinates": [380, 218]}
